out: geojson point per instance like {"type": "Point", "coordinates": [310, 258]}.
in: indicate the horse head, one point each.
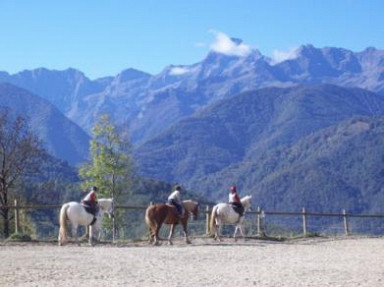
{"type": "Point", "coordinates": [106, 206]}
{"type": "Point", "coordinates": [246, 202]}
{"type": "Point", "coordinates": [192, 207]}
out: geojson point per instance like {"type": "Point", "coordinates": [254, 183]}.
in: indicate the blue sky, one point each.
{"type": "Point", "coordinates": [104, 37]}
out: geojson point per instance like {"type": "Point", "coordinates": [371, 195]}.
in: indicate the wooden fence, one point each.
{"type": "Point", "coordinates": [258, 219]}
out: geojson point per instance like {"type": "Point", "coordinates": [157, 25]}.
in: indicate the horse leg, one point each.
{"type": "Point", "coordinates": [172, 229]}
{"type": "Point", "coordinates": [91, 239]}
{"type": "Point", "coordinates": [217, 237]}
{"type": "Point", "coordinates": [74, 233]}
{"type": "Point", "coordinates": [97, 233]}
{"type": "Point", "coordinates": [215, 228]}
{"type": "Point", "coordinates": [241, 231]}
{"type": "Point", "coordinates": [151, 235]}
{"type": "Point", "coordinates": [156, 235]}
{"type": "Point", "coordinates": [218, 231]}
{"type": "Point", "coordinates": [186, 233]}
{"type": "Point", "coordinates": [236, 229]}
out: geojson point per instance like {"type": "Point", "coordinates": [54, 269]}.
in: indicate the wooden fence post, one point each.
{"type": "Point", "coordinates": [346, 227]}
{"type": "Point", "coordinates": [207, 217]}
{"type": "Point", "coordinates": [17, 223]}
{"type": "Point", "coordinates": [259, 232]}
{"type": "Point", "coordinates": [304, 222]}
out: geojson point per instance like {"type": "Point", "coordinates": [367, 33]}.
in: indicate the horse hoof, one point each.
{"type": "Point", "coordinates": [170, 243]}
{"type": "Point", "coordinates": [189, 242]}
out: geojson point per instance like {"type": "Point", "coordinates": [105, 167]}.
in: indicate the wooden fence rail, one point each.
{"type": "Point", "coordinates": [260, 215]}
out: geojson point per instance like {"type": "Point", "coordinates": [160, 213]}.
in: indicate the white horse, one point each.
{"type": "Point", "coordinates": [77, 215]}
{"type": "Point", "coordinates": [223, 213]}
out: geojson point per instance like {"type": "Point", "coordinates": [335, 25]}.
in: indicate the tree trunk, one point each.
{"type": "Point", "coordinates": [5, 215]}
{"type": "Point", "coordinates": [5, 210]}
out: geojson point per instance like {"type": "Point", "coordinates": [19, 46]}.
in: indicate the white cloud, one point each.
{"type": "Point", "coordinates": [178, 71]}
{"type": "Point", "coordinates": [280, 56]}
{"type": "Point", "coordinates": [225, 45]}
{"type": "Point", "coordinates": [200, 45]}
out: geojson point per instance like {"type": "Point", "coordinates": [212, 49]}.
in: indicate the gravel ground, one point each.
{"type": "Point", "coordinates": [346, 261]}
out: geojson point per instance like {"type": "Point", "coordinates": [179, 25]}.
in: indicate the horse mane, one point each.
{"type": "Point", "coordinates": [105, 199]}
{"type": "Point", "coordinates": [106, 204]}
{"type": "Point", "coordinates": [246, 198]}
{"type": "Point", "coordinates": [190, 203]}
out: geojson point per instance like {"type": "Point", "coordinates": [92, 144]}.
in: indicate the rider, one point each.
{"type": "Point", "coordinates": [175, 199]}
{"type": "Point", "coordinates": [234, 199]}
{"type": "Point", "coordinates": [90, 200]}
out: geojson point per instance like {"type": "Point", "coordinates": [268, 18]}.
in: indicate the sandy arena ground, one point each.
{"type": "Point", "coordinates": [322, 262]}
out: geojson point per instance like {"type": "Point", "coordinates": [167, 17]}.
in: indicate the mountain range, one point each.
{"type": "Point", "coordinates": [149, 104]}
{"type": "Point", "coordinates": [245, 120]}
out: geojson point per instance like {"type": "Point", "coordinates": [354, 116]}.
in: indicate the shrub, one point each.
{"type": "Point", "coordinates": [21, 237]}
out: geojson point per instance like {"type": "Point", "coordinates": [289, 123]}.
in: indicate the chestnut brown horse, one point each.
{"type": "Point", "coordinates": [160, 213]}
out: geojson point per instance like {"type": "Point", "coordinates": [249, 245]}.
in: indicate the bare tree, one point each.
{"type": "Point", "coordinates": [21, 153]}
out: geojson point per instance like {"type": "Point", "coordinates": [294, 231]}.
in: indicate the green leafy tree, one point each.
{"type": "Point", "coordinates": [111, 168]}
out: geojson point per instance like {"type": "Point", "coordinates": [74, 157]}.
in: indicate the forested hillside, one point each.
{"type": "Point", "coordinates": [250, 140]}
{"type": "Point", "coordinates": [61, 137]}
{"type": "Point", "coordinates": [333, 168]}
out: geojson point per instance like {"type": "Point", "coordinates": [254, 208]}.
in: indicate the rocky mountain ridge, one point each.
{"type": "Point", "coordinates": [135, 98]}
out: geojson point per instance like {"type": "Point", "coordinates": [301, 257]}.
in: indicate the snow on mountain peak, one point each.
{"type": "Point", "coordinates": [281, 56]}
{"type": "Point", "coordinates": [229, 46]}
{"type": "Point", "coordinates": [179, 70]}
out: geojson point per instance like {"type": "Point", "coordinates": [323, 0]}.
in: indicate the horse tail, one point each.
{"type": "Point", "coordinates": [63, 224]}
{"type": "Point", "coordinates": [149, 220]}
{"type": "Point", "coordinates": [212, 224]}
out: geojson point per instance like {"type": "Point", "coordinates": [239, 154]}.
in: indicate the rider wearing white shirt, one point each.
{"type": "Point", "coordinates": [175, 199]}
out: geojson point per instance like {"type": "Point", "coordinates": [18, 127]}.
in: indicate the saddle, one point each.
{"type": "Point", "coordinates": [90, 208]}
{"type": "Point", "coordinates": [178, 208]}
{"type": "Point", "coordinates": [93, 210]}
{"type": "Point", "coordinates": [238, 208]}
